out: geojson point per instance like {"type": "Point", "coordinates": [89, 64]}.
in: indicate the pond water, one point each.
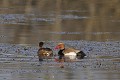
{"type": "Point", "coordinates": [92, 26]}
{"type": "Point", "coordinates": [28, 22]}
{"type": "Point", "coordinates": [20, 62]}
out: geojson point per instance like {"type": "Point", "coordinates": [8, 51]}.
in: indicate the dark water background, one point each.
{"type": "Point", "coordinates": [23, 21]}
{"type": "Point", "coordinates": [89, 25]}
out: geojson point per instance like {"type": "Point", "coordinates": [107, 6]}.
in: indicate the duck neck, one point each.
{"type": "Point", "coordinates": [40, 47]}
{"type": "Point", "coordinates": [62, 49]}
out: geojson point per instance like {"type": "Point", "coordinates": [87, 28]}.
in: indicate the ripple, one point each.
{"type": "Point", "coordinates": [93, 33]}
{"type": "Point", "coordinates": [72, 17]}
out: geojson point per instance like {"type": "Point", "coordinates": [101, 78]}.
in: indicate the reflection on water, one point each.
{"type": "Point", "coordinates": [21, 62]}
{"type": "Point", "coordinates": [35, 20]}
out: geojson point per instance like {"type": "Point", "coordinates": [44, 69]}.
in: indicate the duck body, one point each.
{"type": "Point", "coordinates": [44, 53]}
{"type": "Point", "coordinates": [69, 53]}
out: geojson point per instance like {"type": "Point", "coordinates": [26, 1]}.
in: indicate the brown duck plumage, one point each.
{"type": "Point", "coordinates": [69, 51]}
{"type": "Point", "coordinates": [44, 53]}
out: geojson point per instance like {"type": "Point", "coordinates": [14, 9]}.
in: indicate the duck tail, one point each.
{"type": "Point", "coordinates": [81, 55]}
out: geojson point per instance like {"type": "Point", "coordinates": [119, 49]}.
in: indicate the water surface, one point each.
{"type": "Point", "coordinates": [30, 21]}
{"type": "Point", "coordinates": [92, 26]}
{"type": "Point", "coordinates": [21, 62]}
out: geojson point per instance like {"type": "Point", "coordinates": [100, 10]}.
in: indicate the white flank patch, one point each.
{"type": "Point", "coordinates": [47, 54]}
{"type": "Point", "coordinates": [71, 55]}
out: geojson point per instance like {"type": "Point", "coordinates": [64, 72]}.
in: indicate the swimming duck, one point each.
{"type": "Point", "coordinates": [69, 53]}
{"type": "Point", "coordinates": [44, 53]}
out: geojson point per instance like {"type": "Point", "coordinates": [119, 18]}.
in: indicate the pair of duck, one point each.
{"type": "Point", "coordinates": [63, 54]}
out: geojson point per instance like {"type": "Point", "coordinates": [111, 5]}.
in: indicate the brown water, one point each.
{"type": "Point", "coordinates": [90, 25]}
{"type": "Point", "coordinates": [23, 21]}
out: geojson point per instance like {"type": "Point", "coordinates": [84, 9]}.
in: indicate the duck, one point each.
{"type": "Point", "coordinates": [44, 53]}
{"type": "Point", "coordinates": [69, 53]}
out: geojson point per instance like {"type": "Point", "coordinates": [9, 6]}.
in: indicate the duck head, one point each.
{"type": "Point", "coordinates": [60, 46]}
{"type": "Point", "coordinates": [41, 44]}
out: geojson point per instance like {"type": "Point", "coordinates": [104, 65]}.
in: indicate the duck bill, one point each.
{"type": "Point", "coordinates": [57, 47]}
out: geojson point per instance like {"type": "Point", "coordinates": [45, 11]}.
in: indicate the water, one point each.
{"type": "Point", "coordinates": [91, 26]}
{"type": "Point", "coordinates": [28, 22]}
{"type": "Point", "coordinates": [21, 62]}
